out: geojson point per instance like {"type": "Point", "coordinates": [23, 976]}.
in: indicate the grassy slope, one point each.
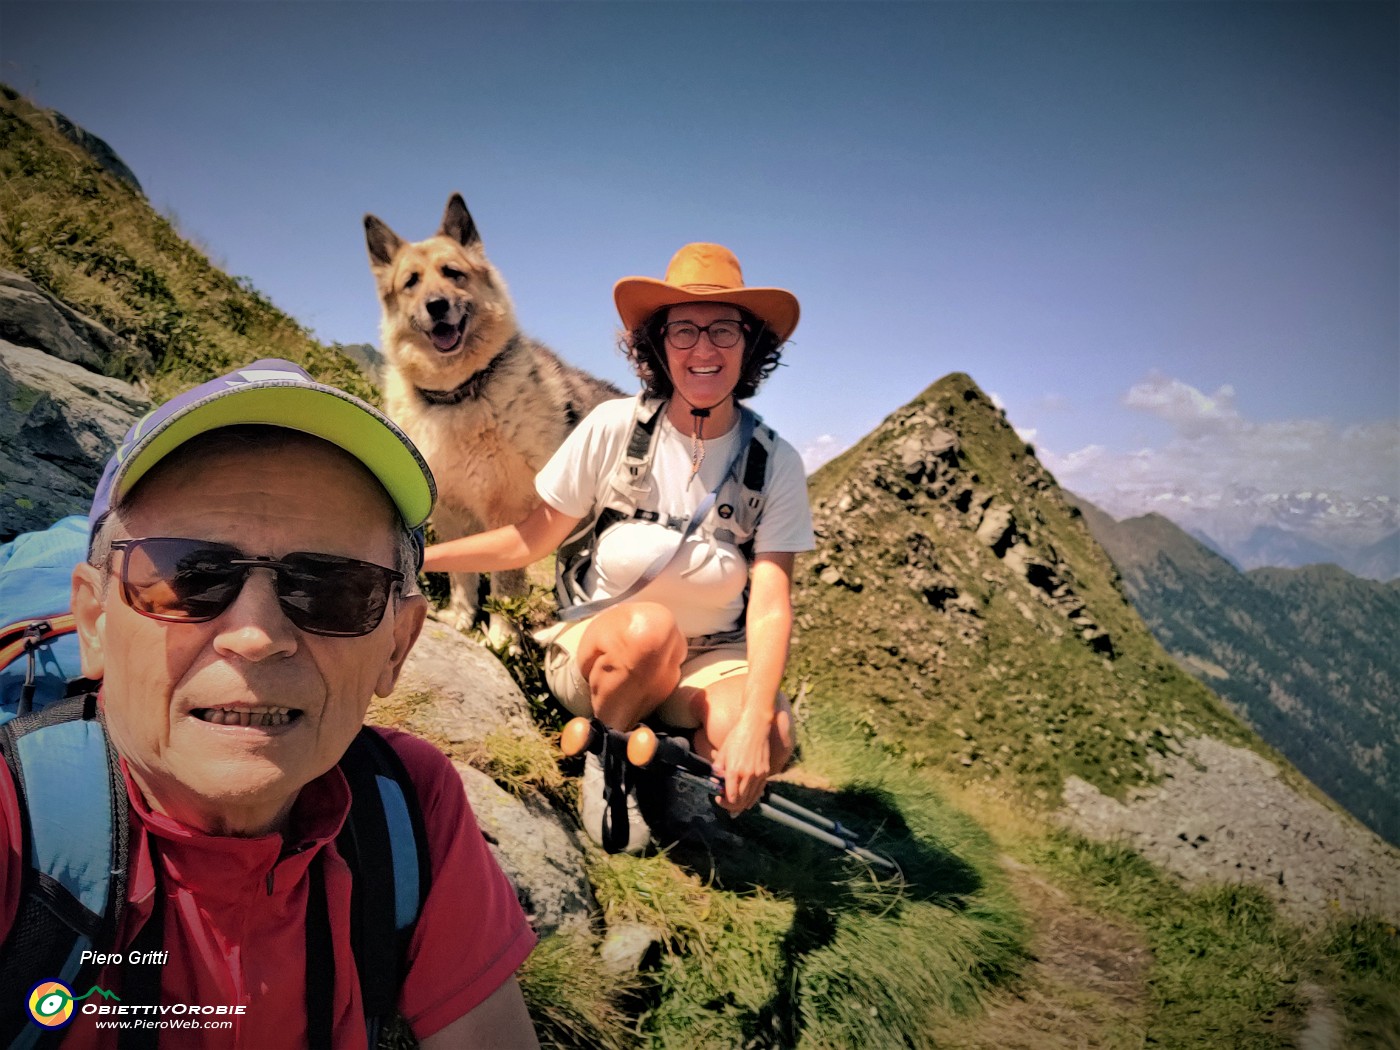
{"type": "Point", "coordinates": [96, 244]}
{"type": "Point", "coordinates": [775, 942]}
{"type": "Point", "coordinates": [1307, 656]}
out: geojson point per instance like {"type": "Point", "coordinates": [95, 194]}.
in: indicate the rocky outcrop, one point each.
{"type": "Point", "coordinates": [64, 414]}
{"type": "Point", "coordinates": [97, 149]}
{"type": "Point", "coordinates": [454, 689]}
{"type": "Point", "coordinates": [31, 317]}
{"type": "Point", "coordinates": [924, 467]}
{"type": "Point", "coordinates": [1224, 814]}
{"type": "Point", "coordinates": [459, 691]}
{"type": "Point", "coordinates": [60, 425]}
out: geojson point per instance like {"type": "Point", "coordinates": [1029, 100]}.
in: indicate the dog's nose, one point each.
{"type": "Point", "coordinates": [437, 309]}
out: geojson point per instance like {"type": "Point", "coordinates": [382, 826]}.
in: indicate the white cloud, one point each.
{"type": "Point", "coordinates": [1223, 473]}
{"type": "Point", "coordinates": [1184, 407]}
{"type": "Point", "coordinates": [824, 448]}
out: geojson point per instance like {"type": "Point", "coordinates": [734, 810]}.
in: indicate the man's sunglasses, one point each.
{"type": "Point", "coordinates": [194, 581]}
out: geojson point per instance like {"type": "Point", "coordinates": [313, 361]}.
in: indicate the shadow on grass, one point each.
{"type": "Point", "coordinates": [823, 882]}
{"type": "Point", "coordinates": [751, 851]}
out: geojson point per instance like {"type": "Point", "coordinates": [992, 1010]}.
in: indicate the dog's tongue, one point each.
{"type": "Point", "coordinates": [446, 336]}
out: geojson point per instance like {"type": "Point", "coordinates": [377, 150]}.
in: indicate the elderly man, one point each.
{"type": "Point", "coordinates": [250, 587]}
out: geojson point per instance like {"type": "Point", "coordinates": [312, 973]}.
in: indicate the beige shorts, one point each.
{"type": "Point", "coordinates": [700, 671]}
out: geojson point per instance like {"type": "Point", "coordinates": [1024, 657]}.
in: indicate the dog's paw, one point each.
{"type": "Point", "coordinates": [501, 634]}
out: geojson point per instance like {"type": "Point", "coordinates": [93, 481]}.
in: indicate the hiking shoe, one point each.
{"type": "Point", "coordinates": [595, 798]}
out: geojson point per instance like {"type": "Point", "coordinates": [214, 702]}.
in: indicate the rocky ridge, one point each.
{"type": "Point", "coordinates": [992, 640]}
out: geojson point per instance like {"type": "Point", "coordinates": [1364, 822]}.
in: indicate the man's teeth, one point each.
{"type": "Point", "coordinates": [704, 371]}
{"type": "Point", "coordinates": [247, 716]}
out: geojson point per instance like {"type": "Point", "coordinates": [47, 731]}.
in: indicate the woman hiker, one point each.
{"type": "Point", "coordinates": [679, 515]}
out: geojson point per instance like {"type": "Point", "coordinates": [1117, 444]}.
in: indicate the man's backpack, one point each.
{"type": "Point", "coordinates": [38, 641]}
{"type": "Point", "coordinates": [75, 821]}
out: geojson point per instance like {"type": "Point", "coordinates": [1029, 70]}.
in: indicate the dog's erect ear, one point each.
{"type": "Point", "coordinates": [383, 242]}
{"type": "Point", "coordinates": [457, 222]}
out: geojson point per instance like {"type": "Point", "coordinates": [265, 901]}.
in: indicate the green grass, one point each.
{"type": "Point", "coordinates": [782, 941]}
{"type": "Point", "coordinates": [574, 1002]}
{"type": "Point", "coordinates": [1228, 968]}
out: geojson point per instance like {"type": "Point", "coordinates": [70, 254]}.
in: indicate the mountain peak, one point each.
{"type": "Point", "coordinates": [954, 574]}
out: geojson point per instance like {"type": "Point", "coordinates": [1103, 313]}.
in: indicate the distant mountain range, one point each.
{"type": "Point", "coordinates": [1255, 529]}
{"type": "Point", "coordinates": [1306, 656]}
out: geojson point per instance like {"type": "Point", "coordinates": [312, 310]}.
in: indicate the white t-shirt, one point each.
{"type": "Point", "coordinates": [703, 585]}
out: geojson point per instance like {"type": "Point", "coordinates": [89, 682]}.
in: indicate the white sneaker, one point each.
{"type": "Point", "coordinates": [594, 806]}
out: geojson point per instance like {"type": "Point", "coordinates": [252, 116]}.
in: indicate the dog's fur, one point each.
{"type": "Point", "coordinates": [485, 404]}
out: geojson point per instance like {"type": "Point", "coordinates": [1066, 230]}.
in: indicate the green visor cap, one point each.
{"type": "Point", "coordinates": [276, 393]}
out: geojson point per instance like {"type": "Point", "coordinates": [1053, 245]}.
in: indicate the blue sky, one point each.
{"type": "Point", "coordinates": [1166, 236]}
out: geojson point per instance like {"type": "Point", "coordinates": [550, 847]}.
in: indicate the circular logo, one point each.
{"type": "Point", "coordinates": [51, 1004]}
{"type": "Point", "coordinates": [725, 511]}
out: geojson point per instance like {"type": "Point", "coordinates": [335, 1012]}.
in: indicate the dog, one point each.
{"type": "Point", "coordinates": [486, 404]}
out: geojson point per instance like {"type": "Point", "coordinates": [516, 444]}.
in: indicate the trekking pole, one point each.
{"type": "Point", "coordinates": [646, 747]}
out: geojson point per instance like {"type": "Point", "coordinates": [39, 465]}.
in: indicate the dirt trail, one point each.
{"type": "Point", "coordinates": [1084, 991]}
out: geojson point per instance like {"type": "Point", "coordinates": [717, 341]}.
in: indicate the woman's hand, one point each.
{"type": "Point", "coordinates": [744, 760]}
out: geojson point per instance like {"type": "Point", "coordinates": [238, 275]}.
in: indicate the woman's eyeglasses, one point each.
{"type": "Point", "coordinates": [683, 335]}
{"type": "Point", "coordinates": [194, 581]}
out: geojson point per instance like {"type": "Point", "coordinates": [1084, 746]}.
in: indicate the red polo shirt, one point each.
{"type": "Point", "coordinates": [235, 915]}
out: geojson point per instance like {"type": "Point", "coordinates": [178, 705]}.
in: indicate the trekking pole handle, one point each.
{"type": "Point", "coordinates": [646, 747]}
{"type": "Point", "coordinates": [586, 734]}
{"type": "Point", "coordinates": [580, 735]}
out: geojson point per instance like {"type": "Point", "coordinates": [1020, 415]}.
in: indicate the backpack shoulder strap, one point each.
{"type": "Point", "coordinates": [75, 826]}
{"type": "Point", "coordinates": [617, 500]}
{"type": "Point", "coordinates": [635, 465]}
{"type": "Point", "coordinates": [753, 483]}
{"type": "Point", "coordinates": [385, 843]}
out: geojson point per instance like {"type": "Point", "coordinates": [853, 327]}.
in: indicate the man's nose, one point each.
{"type": "Point", "coordinates": [254, 627]}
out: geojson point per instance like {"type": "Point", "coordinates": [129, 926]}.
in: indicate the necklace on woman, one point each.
{"type": "Point", "coordinates": [697, 440]}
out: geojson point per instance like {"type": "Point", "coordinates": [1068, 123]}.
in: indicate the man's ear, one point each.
{"type": "Point", "coordinates": [90, 613]}
{"type": "Point", "coordinates": [408, 622]}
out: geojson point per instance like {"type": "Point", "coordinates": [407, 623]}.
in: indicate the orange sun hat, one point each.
{"type": "Point", "coordinates": [702, 273]}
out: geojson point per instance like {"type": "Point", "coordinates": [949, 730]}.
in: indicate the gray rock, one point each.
{"type": "Point", "coordinates": [1224, 814]}
{"type": "Point", "coordinates": [32, 317]}
{"type": "Point", "coordinates": [59, 426]}
{"type": "Point", "coordinates": [461, 692]}
{"type": "Point", "coordinates": [626, 946]}
{"type": "Point", "coordinates": [539, 851]}
{"type": "Point", "coordinates": [465, 692]}
{"type": "Point", "coordinates": [96, 148]}
{"type": "Point", "coordinates": [997, 528]}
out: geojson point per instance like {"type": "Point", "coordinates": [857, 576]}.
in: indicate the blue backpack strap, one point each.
{"type": "Point", "coordinates": [385, 843]}
{"type": "Point", "coordinates": [74, 826]}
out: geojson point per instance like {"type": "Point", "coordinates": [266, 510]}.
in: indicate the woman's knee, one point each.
{"type": "Point", "coordinates": [636, 635]}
